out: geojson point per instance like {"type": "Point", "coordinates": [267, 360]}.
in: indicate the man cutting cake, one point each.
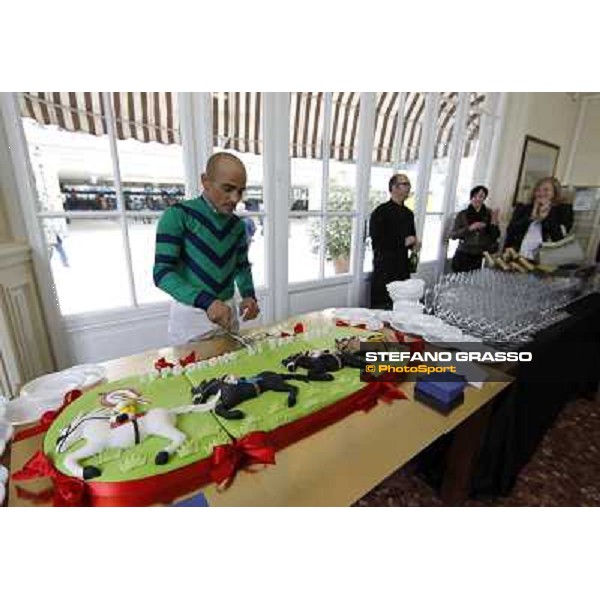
{"type": "Point", "coordinates": [202, 253]}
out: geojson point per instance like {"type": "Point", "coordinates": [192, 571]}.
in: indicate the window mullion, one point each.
{"type": "Point", "coordinates": [454, 160]}
{"type": "Point", "coordinates": [112, 136]}
{"type": "Point", "coordinates": [366, 136]}
{"type": "Point", "coordinates": [399, 132]}
{"type": "Point", "coordinates": [426, 151]}
{"type": "Point", "coordinates": [325, 184]}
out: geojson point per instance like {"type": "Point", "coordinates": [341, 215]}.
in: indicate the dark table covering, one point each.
{"type": "Point", "coordinates": [565, 366]}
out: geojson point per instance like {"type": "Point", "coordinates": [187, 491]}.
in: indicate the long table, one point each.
{"type": "Point", "coordinates": [522, 413]}
{"type": "Point", "coordinates": [339, 464]}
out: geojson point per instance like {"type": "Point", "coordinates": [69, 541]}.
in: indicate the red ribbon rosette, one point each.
{"type": "Point", "coordinates": [227, 459]}
{"type": "Point", "coordinates": [68, 491]}
{"type": "Point", "coordinates": [388, 392]}
{"type": "Point", "coordinates": [163, 363]}
{"type": "Point", "coordinates": [190, 359]}
{"type": "Point", "coordinates": [379, 390]}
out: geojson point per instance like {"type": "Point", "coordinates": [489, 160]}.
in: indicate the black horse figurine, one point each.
{"type": "Point", "coordinates": [234, 390]}
{"type": "Point", "coordinates": [319, 363]}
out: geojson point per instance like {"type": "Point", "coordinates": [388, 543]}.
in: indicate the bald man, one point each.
{"type": "Point", "coordinates": [202, 251]}
{"type": "Point", "coordinates": [392, 230]}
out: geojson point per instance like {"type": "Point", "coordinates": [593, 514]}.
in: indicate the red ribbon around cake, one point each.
{"type": "Point", "coordinates": [227, 459]}
{"type": "Point", "coordinates": [68, 491]}
{"type": "Point", "coordinates": [48, 418]}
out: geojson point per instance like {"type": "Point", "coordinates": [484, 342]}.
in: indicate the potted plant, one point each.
{"type": "Point", "coordinates": [338, 230]}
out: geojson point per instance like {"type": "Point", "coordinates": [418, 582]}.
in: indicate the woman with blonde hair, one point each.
{"type": "Point", "coordinates": [545, 218]}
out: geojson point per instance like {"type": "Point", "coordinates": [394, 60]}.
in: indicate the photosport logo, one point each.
{"type": "Point", "coordinates": [393, 361]}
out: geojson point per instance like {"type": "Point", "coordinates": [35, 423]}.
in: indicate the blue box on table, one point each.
{"type": "Point", "coordinates": [441, 391]}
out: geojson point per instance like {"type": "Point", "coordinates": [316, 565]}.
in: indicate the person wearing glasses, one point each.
{"type": "Point", "coordinates": [477, 230]}
{"type": "Point", "coordinates": [392, 231]}
{"type": "Point", "coordinates": [202, 253]}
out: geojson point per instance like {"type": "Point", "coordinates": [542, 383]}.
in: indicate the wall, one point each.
{"type": "Point", "coordinates": [548, 116]}
{"type": "Point", "coordinates": [4, 230]}
{"type": "Point", "coordinates": [586, 165]}
{"type": "Point", "coordinates": [6, 186]}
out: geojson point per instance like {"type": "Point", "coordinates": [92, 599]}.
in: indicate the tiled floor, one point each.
{"type": "Point", "coordinates": [564, 471]}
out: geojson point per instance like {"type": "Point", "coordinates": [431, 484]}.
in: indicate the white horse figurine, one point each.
{"type": "Point", "coordinates": [95, 427]}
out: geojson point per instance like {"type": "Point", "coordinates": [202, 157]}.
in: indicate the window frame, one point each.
{"type": "Point", "coordinates": [196, 138]}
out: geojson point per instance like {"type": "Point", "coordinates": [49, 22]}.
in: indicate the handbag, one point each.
{"type": "Point", "coordinates": [564, 252]}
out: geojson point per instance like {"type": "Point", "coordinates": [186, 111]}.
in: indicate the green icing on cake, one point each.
{"type": "Point", "coordinates": [132, 459]}
{"type": "Point", "coordinates": [270, 410]}
{"type": "Point", "coordinates": [201, 428]}
{"type": "Point", "coordinates": [206, 430]}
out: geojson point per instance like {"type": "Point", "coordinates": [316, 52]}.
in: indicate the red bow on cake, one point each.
{"type": "Point", "coordinates": [227, 459]}
{"type": "Point", "coordinates": [68, 491]}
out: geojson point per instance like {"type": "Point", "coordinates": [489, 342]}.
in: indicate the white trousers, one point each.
{"type": "Point", "coordinates": [190, 324]}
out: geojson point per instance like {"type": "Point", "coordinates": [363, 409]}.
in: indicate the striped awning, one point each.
{"type": "Point", "coordinates": [144, 116]}
{"type": "Point", "coordinates": [386, 123]}
{"type": "Point", "coordinates": [307, 112]}
{"type": "Point", "coordinates": [237, 120]}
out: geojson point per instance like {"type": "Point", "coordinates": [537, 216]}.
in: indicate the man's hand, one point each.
{"type": "Point", "coordinates": [249, 309]}
{"type": "Point", "coordinates": [411, 240]}
{"type": "Point", "coordinates": [220, 313]}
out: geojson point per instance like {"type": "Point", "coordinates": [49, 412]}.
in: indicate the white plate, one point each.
{"type": "Point", "coordinates": [81, 377]}
{"type": "Point", "coordinates": [26, 410]}
{"type": "Point", "coordinates": [94, 374]}
{"type": "Point", "coordinates": [6, 432]}
{"type": "Point", "coordinates": [54, 384]}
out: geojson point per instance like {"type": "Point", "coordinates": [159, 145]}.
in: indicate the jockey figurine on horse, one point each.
{"type": "Point", "coordinates": [232, 391]}
{"type": "Point", "coordinates": [320, 363]}
{"type": "Point", "coordinates": [124, 405]}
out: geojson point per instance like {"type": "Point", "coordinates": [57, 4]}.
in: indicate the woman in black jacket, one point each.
{"type": "Point", "coordinates": [477, 229]}
{"type": "Point", "coordinates": [543, 219]}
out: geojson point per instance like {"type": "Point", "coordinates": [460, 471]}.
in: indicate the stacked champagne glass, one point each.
{"type": "Point", "coordinates": [503, 309]}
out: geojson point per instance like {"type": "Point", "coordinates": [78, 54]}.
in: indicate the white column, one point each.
{"type": "Point", "coordinates": [190, 159]}
{"type": "Point", "coordinates": [575, 142]}
{"type": "Point", "coordinates": [486, 135]}
{"type": "Point", "coordinates": [202, 112]}
{"type": "Point", "coordinates": [276, 165]}
{"type": "Point", "coordinates": [426, 150]}
{"type": "Point", "coordinates": [366, 134]}
{"type": "Point", "coordinates": [454, 159]}
{"type": "Point", "coordinates": [22, 174]}
{"type": "Point", "coordinates": [121, 205]}
{"type": "Point", "coordinates": [492, 159]}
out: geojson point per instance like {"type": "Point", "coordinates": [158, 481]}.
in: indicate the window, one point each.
{"type": "Point", "coordinates": [237, 128]}
{"type": "Point", "coordinates": [98, 208]}
{"type": "Point", "coordinates": [398, 119]}
{"type": "Point", "coordinates": [399, 127]}
{"type": "Point", "coordinates": [323, 137]}
{"type": "Point", "coordinates": [108, 164]}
